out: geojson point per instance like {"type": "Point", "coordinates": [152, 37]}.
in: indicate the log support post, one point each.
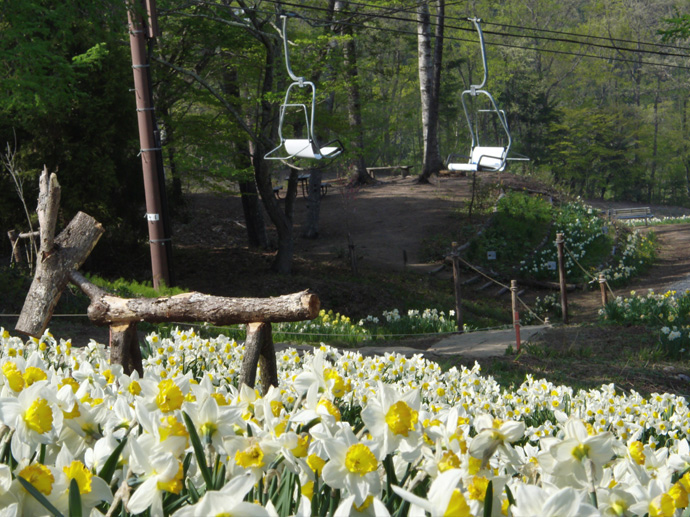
{"type": "Point", "coordinates": [560, 244]}
{"type": "Point", "coordinates": [259, 351]}
{"type": "Point", "coordinates": [124, 348]}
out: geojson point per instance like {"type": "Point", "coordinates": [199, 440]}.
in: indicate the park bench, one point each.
{"type": "Point", "coordinates": [631, 213]}
{"type": "Point", "coordinates": [403, 169]}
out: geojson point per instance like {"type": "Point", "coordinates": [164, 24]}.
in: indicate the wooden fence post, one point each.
{"type": "Point", "coordinates": [602, 285]}
{"type": "Point", "coordinates": [516, 314]}
{"type": "Point", "coordinates": [560, 243]}
{"type": "Point", "coordinates": [457, 288]}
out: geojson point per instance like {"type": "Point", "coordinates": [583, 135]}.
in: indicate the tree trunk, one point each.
{"type": "Point", "coordinates": [655, 146]}
{"type": "Point", "coordinates": [253, 216]}
{"type": "Point", "coordinates": [311, 224]}
{"type": "Point", "coordinates": [429, 85]}
{"type": "Point", "coordinates": [354, 104]}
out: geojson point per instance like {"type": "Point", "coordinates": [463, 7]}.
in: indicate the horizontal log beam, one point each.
{"type": "Point", "coordinates": [106, 309]}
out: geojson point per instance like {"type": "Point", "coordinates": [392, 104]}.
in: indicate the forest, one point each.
{"type": "Point", "coordinates": [595, 94]}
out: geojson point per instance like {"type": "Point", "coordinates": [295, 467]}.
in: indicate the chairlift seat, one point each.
{"type": "Point", "coordinates": [482, 158]}
{"type": "Point", "coordinates": [303, 148]}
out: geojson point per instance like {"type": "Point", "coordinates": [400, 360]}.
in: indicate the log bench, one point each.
{"type": "Point", "coordinates": [403, 169]}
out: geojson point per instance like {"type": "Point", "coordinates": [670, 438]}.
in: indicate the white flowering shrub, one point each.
{"type": "Point", "coordinates": [587, 243]}
{"type": "Point", "coordinates": [583, 232]}
{"type": "Point", "coordinates": [342, 434]}
{"type": "Point", "coordinates": [668, 314]}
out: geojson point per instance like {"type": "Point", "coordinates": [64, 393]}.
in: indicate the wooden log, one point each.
{"type": "Point", "coordinates": [259, 350]}
{"type": "Point", "coordinates": [106, 309]}
{"type": "Point", "coordinates": [70, 250]}
{"type": "Point", "coordinates": [124, 348]}
{"type": "Point", "coordinates": [48, 205]}
{"type": "Point", "coordinates": [472, 280]}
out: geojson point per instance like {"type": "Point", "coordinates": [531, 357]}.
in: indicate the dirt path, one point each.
{"type": "Point", "coordinates": [670, 271]}
{"type": "Point", "coordinates": [389, 223]}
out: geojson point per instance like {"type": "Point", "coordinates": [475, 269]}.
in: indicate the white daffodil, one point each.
{"type": "Point", "coordinates": [567, 458]}
{"type": "Point", "coordinates": [213, 422]}
{"type": "Point", "coordinates": [615, 502]}
{"type": "Point", "coordinates": [35, 417]}
{"type": "Point", "coordinates": [160, 472]}
{"type": "Point", "coordinates": [371, 507]}
{"type": "Point", "coordinates": [54, 483]}
{"type": "Point", "coordinates": [393, 420]}
{"type": "Point", "coordinates": [352, 466]}
{"type": "Point", "coordinates": [227, 501]}
{"type": "Point", "coordinates": [494, 434]}
{"type": "Point", "coordinates": [652, 499]}
{"type": "Point", "coordinates": [167, 432]}
{"type": "Point", "coordinates": [444, 497]}
{"type": "Point", "coordinates": [532, 501]}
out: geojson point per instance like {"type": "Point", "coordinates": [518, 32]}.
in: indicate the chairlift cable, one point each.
{"type": "Point", "coordinates": [521, 47]}
{"type": "Point", "coordinates": [511, 35]}
{"type": "Point", "coordinates": [510, 26]}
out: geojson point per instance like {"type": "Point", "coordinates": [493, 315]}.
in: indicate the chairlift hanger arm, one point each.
{"type": "Point", "coordinates": [294, 77]}
{"type": "Point", "coordinates": [477, 25]}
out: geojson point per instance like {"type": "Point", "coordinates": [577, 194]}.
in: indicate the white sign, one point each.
{"type": "Point", "coordinates": [551, 265]}
{"type": "Point", "coordinates": [491, 255]}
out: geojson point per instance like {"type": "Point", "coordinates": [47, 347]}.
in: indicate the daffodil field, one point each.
{"type": "Point", "coordinates": [667, 313]}
{"type": "Point", "coordinates": [342, 435]}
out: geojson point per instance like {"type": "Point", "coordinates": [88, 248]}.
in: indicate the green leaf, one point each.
{"type": "Point", "coordinates": [489, 499]}
{"type": "Point", "coordinates": [39, 497]}
{"type": "Point", "coordinates": [74, 499]}
{"type": "Point", "coordinates": [198, 451]}
{"type": "Point", "coordinates": [192, 492]}
{"type": "Point", "coordinates": [509, 495]}
{"type": "Point", "coordinates": [108, 469]}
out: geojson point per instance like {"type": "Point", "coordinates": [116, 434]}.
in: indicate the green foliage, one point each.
{"type": "Point", "coordinates": [134, 289]}
{"type": "Point", "coordinates": [519, 224]}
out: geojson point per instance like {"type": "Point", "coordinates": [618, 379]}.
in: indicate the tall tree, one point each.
{"type": "Point", "coordinates": [354, 104]}
{"type": "Point", "coordinates": [430, 84]}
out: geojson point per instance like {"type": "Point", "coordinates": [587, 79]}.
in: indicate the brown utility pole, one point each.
{"type": "Point", "coordinates": [156, 214]}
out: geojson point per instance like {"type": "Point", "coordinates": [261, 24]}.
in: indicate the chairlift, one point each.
{"type": "Point", "coordinates": [482, 157]}
{"type": "Point", "coordinates": [309, 147]}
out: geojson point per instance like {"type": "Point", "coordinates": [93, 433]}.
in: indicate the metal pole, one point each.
{"type": "Point", "coordinates": [560, 244]}
{"type": "Point", "coordinates": [602, 285]}
{"type": "Point", "coordinates": [516, 314]}
{"type": "Point", "coordinates": [148, 146]}
{"type": "Point", "coordinates": [457, 288]}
